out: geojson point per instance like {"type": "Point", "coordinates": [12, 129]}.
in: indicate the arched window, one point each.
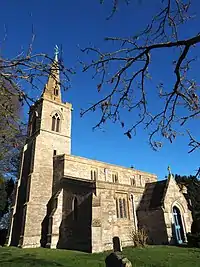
{"type": "Point", "coordinates": [75, 209]}
{"type": "Point", "coordinates": [55, 123]}
{"type": "Point", "coordinates": [178, 226]}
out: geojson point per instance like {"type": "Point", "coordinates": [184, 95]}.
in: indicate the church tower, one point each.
{"type": "Point", "coordinates": [49, 134]}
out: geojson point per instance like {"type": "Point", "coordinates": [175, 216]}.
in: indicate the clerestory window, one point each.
{"type": "Point", "coordinates": [93, 173]}
{"type": "Point", "coordinates": [115, 178]}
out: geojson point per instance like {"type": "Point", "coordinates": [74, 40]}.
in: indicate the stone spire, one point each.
{"type": "Point", "coordinates": [52, 88]}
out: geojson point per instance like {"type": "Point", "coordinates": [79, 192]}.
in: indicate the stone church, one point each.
{"type": "Point", "coordinates": [71, 202]}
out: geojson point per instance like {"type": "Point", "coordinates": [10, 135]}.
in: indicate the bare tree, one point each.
{"type": "Point", "coordinates": [125, 71]}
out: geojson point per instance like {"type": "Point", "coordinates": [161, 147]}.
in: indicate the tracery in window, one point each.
{"type": "Point", "coordinates": [121, 208]}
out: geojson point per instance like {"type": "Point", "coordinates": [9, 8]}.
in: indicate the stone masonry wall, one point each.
{"type": "Point", "coordinates": [105, 224]}
{"type": "Point", "coordinates": [153, 222]}
{"type": "Point", "coordinates": [81, 167]}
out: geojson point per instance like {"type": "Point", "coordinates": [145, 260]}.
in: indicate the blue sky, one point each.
{"type": "Point", "coordinates": [76, 24]}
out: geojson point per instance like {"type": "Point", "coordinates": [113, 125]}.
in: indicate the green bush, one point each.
{"type": "Point", "coordinates": [193, 240]}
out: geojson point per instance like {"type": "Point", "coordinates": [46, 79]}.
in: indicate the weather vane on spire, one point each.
{"type": "Point", "coordinates": [56, 49]}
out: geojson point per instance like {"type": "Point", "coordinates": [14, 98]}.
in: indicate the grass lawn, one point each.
{"type": "Point", "coordinates": [154, 256]}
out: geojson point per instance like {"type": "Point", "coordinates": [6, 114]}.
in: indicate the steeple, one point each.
{"type": "Point", "coordinates": [52, 88]}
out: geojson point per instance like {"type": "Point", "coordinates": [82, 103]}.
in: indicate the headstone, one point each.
{"type": "Point", "coordinates": [116, 259]}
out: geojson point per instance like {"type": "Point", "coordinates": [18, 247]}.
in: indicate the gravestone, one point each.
{"type": "Point", "coordinates": [116, 259]}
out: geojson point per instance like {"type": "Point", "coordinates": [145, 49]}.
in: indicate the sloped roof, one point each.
{"type": "Point", "coordinates": [153, 196]}
{"type": "Point", "coordinates": [158, 194]}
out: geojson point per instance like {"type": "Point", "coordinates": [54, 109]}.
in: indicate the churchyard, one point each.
{"type": "Point", "coordinates": [152, 256]}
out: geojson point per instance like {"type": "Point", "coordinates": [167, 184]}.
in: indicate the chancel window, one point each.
{"type": "Point", "coordinates": [93, 174]}
{"type": "Point", "coordinates": [121, 208]}
{"type": "Point", "coordinates": [55, 123]}
{"type": "Point", "coordinates": [115, 178]}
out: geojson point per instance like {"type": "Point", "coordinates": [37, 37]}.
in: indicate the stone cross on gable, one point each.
{"type": "Point", "coordinates": [169, 170]}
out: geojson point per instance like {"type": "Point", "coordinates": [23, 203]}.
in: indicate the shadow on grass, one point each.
{"type": "Point", "coordinates": [26, 260]}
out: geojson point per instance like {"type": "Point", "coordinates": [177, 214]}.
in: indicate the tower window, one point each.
{"type": "Point", "coordinates": [55, 123]}
{"type": "Point", "coordinates": [54, 152]}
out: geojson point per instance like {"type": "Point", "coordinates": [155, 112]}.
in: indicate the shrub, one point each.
{"type": "Point", "coordinates": [195, 228]}
{"type": "Point", "coordinates": [139, 237]}
{"type": "Point", "coordinates": [193, 240]}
